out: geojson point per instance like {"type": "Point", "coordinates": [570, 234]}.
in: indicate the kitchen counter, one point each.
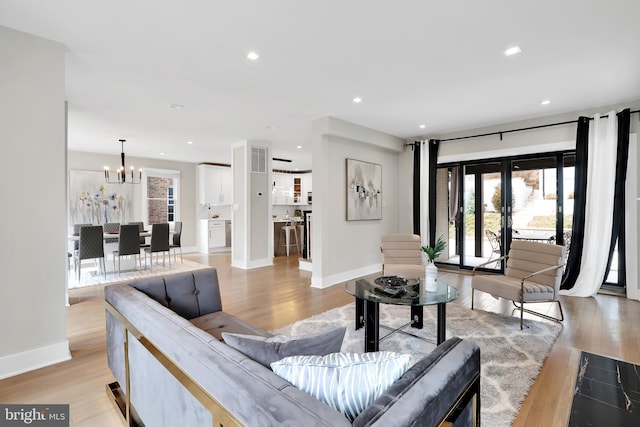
{"type": "Point", "coordinates": [292, 219]}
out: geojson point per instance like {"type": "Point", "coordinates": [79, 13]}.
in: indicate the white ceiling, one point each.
{"type": "Point", "coordinates": [437, 63]}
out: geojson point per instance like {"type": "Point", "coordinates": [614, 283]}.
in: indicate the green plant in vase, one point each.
{"type": "Point", "coordinates": [434, 251]}
{"type": "Point", "coordinates": [430, 270]}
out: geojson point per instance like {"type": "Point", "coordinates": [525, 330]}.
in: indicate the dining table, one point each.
{"type": "Point", "coordinates": [109, 235]}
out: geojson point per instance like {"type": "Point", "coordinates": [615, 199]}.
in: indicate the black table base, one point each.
{"type": "Point", "coordinates": [368, 315]}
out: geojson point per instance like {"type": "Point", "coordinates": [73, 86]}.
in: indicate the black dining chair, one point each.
{"type": "Point", "coordinates": [159, 243]}
{"type": "Point", "coordinates": [111, 227]}
{"type": "Point", "coordinates": [128, 244]}
{"type": "Point", "coordinates": [91, 246]}
{"type": "Point", "coordinates": [140, 224]}
{"type": "Point", "coordinates": [76, 243]}
{"type": "Point", "coordinates": [177, 234]}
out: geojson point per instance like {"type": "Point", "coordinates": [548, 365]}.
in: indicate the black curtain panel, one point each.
{"type": "Point", "coordinates": [434, 145]}
{"type": "Point", "coordinates": [617, 233]}
{"type": "Point", "coordinates": [580, 197]}
{"type": "Point", "coordinates": [416, 188]}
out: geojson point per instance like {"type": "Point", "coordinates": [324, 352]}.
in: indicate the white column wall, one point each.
{"type": "Point", "coordinates": [252, 226]}
{"type": "Point", "coordinates": [343, 249]}
{"type": "Point", "coordinates": [33, 183]}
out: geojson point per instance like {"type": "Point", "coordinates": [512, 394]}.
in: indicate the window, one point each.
{"type": "Point", "coordinates": [161, 196]}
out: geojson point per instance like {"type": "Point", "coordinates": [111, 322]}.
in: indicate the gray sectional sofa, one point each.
{"type": "Point", "coordinates": [164, 349]}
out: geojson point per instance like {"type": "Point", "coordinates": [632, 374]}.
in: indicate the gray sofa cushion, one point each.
{"type": "Point", "coordinates": [189, 294]}
{"type": "Point", "coordinates": [219, 322]}
{"type": "Point", "coordinates": [268, 350]}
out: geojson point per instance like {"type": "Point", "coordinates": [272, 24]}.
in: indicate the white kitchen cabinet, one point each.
{"type": "Point", "coordinates": [282, 188]}
{"type": "Point", "coordinates": [217, 234]}
{"type": "Point", "coordinates": [306, 187]}
{"type": "Point", "coordinates": [285, 188]}
{"type": "Point", "coordinates": [216, 184]}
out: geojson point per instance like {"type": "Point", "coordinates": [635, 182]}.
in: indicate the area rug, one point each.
{"type": "Point", "coordinates": [607, 392]}
{"type": "Point", "coordinates": [90, 277]}
{"type": "Point", "coordinates": [510, 358]}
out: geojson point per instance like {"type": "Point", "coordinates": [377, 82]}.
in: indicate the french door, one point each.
{"type": "Point", "coordinates": [490, 203]}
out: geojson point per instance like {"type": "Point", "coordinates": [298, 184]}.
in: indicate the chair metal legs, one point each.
{"type": "Point", "coordinates": [522, 309]}
{"type": "Point", "coordinates": [535, 313]}
{"type": "Point", "coordinates": [102, 265]}
{"type": "Point", "coordinates": [137, 264]}
{"type": "Point", "coordinates": [164, 257]}
{"type": "Point", "coordinates": [174, 254]}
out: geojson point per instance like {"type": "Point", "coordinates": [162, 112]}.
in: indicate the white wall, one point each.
{"type": "Point", "coordinates": [188, 189]}
{"type": "Point", "coordinates": [343, 249]}
{"type": "Point", "coordinates": [537, 140]}
{"type": "Point", "coordinates": [33, 183]}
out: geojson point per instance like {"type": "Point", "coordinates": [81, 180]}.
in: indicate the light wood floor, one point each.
{"type": "Point", "coordinates": [272, 297]}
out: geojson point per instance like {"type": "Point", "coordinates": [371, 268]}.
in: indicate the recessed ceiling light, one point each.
{"type": "Point", "coordinates": [512, 51]}
{"type": "Point", "coordinates": [253, 56]}
{"type": "Point", "coordinates": [270, 127]}
{"type": "Point", "coordinates": [298, 146]}
{"type": "Point", "coordinates": [190, 142]}
{"type": "Point", "coordinates": [422, 126]}
{"type": "Point", "coordinates": [162, 154]}
{"type": "Point", "coordinates": [545, 102]}
{"type": "Point", "coordinates": [175, 106]}
{"type": "Point", "coordinates": [357, 100]}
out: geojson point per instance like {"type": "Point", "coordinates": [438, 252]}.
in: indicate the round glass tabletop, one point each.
{"type": "Point", "coordinates": [413, 293]}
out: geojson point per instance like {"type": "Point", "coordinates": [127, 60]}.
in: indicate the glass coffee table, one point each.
{"type": "Point", "coordinates": [370, 293]}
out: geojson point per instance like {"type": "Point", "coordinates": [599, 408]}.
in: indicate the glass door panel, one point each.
{"type": "Point", "coordinates": [448, 212]}
{"type": "Point", "coordinates": [534, 199]}
{"type": "Point", "coordinates": [482, 207]}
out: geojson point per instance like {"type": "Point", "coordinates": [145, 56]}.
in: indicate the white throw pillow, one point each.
{"type": "Point", "coordinates": [348, 382]}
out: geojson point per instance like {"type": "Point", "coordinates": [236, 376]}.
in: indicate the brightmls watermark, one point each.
{"type": "Point", "coordinates": [34, 415]}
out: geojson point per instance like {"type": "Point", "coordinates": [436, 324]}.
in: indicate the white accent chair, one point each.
{"type": "Point", "coordinates": [401, 256]}
{"type": "Point", "coordinates": [533, 275]}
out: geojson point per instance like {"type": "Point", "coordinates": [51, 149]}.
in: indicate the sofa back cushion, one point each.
{"type": "Point", "coordinates": [189, 294]}
{"type": "Point", "coordinates": [266, 350]}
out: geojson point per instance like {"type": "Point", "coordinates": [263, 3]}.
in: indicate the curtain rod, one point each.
{"type": "Point", "coordinates": [516, 130]}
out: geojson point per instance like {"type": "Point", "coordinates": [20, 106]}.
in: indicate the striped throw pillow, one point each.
{"type": "Point", "coordinates": [348, 382]}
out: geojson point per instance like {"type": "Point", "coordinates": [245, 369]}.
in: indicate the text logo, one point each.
{"type": "Point", "coordinates": [34, 415]}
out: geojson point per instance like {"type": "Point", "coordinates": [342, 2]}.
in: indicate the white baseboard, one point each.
{"type": "Point", "coordinates": [15, 364]}
{"type": "Point", "coordinates": [305, 264]}
{"type": "Point", "coordinates": [325, 282]}
{"type": "Point", "coordinates": [246, 265]}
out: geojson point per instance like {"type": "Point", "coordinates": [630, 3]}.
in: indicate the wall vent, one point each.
{"type": "Point", "coordinates": [258, 160]}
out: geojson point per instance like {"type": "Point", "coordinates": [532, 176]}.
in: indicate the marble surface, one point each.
{"type": "Point", "coordinates": [607, 393]}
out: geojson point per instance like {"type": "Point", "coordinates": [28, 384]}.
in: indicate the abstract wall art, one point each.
{"type": "Point", "coordinates": [364, 190]}
{"type": "Point", "coordinates": [92, 201]}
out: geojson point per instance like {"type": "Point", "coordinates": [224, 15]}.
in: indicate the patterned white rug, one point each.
{"type": "Point", "coordinates": [91, 277]}
{"type": "Point", "coordinates": [510, 358]}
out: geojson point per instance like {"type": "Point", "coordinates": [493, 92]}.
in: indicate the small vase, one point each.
{"type": "Point", "coordinates": [431, 277]}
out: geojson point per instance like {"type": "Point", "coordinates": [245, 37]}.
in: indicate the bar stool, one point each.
{"type": "Point", "coordinates": [286, 229]}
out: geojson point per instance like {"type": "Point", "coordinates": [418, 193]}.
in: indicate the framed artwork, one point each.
{"type": "Point", "coordinates": [92, 201]}
{"type": "Point", "coordinates": [364, 190]}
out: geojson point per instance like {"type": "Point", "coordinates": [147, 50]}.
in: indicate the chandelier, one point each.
{"type": "Point", "coordinates": [121, 173]}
